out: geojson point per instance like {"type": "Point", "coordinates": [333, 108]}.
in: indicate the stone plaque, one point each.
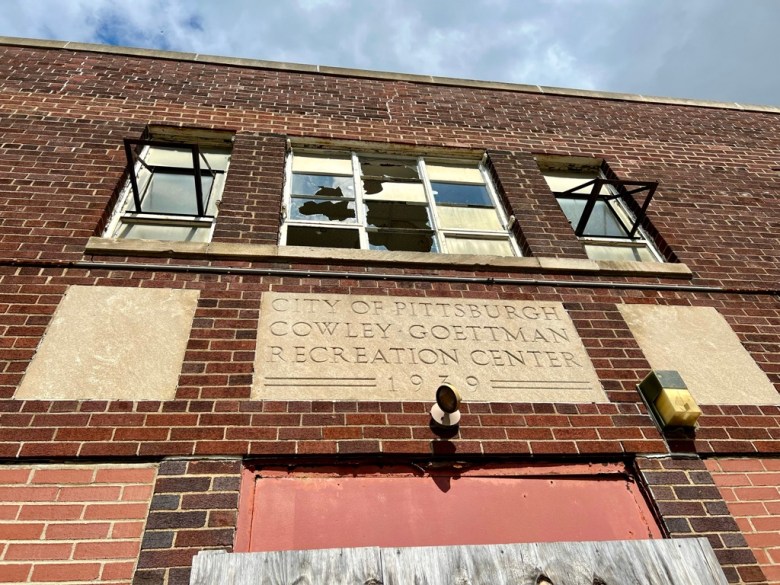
{"type": "Point", "coordinates": [112, 343]}
{"type": "Point", "coordinates": [338, 347]}
{"type": "Point", "coordinates": [700, 345]}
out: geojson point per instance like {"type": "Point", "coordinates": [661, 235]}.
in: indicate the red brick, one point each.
{"type": "Point", "coordinates": [66, 572]}
{"type": "Point", "coordinates": [14, 573]}
{"type": "Point", "coordinates": [38, 551]}
{"type": "Point", "coordinates": [115, 511]}
{"type": "Point", "coordinates": [89, 494]}
{"type": "Point", "coordinates": [58, 476]}
{"type": "Point", "coordinates": [107, 550]}
{"type": "Point", "coordinates": [14, 475]}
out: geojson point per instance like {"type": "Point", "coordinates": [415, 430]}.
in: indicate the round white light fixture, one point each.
{"type": "Point", "coordinates": [445, 412]}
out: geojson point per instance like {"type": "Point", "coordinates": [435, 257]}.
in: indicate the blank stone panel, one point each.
{"type": "Point", "coordinates": [700, 345]}
{"type": "Point", "coordinates": [112, 343]}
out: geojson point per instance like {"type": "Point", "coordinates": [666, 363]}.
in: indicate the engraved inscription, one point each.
{"type": "Point", "coordinates": [333, 347]}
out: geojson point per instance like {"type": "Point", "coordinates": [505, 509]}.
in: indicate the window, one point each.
{"type": "Point", "coordinates": [173, 190]}
{"type": "Point", "coordinates": [596, 209]}
{"type": "Point", "coordinates": [377, 202]}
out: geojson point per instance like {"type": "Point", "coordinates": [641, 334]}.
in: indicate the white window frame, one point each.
{"type": "Point", "coordinates": [440, 234]}
{"type": "Point", "coordinates": [124, 212]}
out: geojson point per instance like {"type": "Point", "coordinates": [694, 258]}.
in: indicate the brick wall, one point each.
{"type": "Point", "coordinates": [689, 504]}
{"type": "Point", "coordinates": [72, 523]}
{"type": "Point", "coordinates": [751, 489]}
{"type": "Point", "coordinates": [194, 508]}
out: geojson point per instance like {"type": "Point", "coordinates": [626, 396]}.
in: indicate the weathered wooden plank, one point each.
{"type": "Point", "coordinates": [640, 562]}
{"type": "Point", "coordinates": [635, 562]}
{"type": "Point", "coordinates": [348, 566]}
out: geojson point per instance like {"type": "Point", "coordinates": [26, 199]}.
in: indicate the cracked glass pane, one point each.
{"type": "Point", "coordinates": [397, 215]}
{"type": "Point", "coordinates": [323, 210]}
{"type": "Point", "coordinates": [389, 169]}
{"type": "Point", "coordinates": [322, 186]}
{"type": "Point", "coordinates": [465, 195]}
{"type": "Point", "coordinates": [402, 241]}
{"type": "Point", "coordinates": [322, 237]}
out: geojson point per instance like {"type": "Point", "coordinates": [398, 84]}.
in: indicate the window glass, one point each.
{"type": "Point", "coordinates": [402, 241]}
{"type": "Point", "coordinates": [602, 222]}
{"type": "Point", "coordinates": [474, 218]}
{"type": "Point", "coordinates": [460, 245]}
{"type": "Point", "coordinates": [166, 181]}
{"type": "Point", "coordinates": [389, 169]}
{"type": "Point", "coordinates": [375, 189]}
{"type": "Point", "coordinates": [388, 214]}
{"type": "Point", "coordinates": [322, 164]}
{"type": "Point", "coordinates": [174, 193]}
{"type": "Point", "coordinates": [322, 185]}
{"type": "Point", "coordinates": [163, 231]}
{"type": "Point", "coordinates": [322, 237]}
{"type": "Point", "coordinates": [323, 210]}
{"type": "Point", "coordinates": [619, 253]}
{"type": "Point", "coordinates": [455, 194]}
{"type": "Point", "coordinates": [392, 204]}
{"type": "Point", "coordinates": [455, 174]}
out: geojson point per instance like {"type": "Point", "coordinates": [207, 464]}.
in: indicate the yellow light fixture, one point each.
{"type": "Point", "coordinates": [445, 412]}
{"type": "Point", "coordinates": [669, 399]}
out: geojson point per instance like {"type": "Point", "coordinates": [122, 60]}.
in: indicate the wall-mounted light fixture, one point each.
{"type": "Point", "coordinates": [445, 412]}
{"type": "Point", "coordinates": [669, 399]}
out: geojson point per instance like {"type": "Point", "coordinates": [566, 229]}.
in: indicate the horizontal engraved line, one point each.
{"type": "Point", "coordinates": [540, 382]}
{"type": "Point", "coordinates": [315, 378]}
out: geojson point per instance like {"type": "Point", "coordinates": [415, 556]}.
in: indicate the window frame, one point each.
{"type": "Point", "coordinates": [128, 209]}
{"type": "Point", "coordinates": [636, 237]}
{"type": "Point", "coordinates": [439, 233]}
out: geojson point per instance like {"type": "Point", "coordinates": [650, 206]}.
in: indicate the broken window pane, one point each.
{"type": "Point", "coordinates": [397, 215]}
{"type": "Point", "coordinates": [322, 164]}
{"type": "Point", "coordinates": [385, 190]}
{"type": "Point", "coordinates": [469, 218]}
{"type": "Point", "coordinates": [455, 174]}
{"type": "Point", "coordinates": [619, 253]}
{"type": "Point", "coordinates": [173, 193]}
{"type": "Point", "coordinates": [322, 237]}
{"type": "Point", "coordinates": [602, 222]}
{"type": "Point", "coordinates": [322, 186]}
{"type": "Point", "coordinates": [482, 246]}
{"type": "Point", "coordinates": [389, 169]}
{"type": "Point", "coordinates": [402, 241]}
{"type": "Point", "coordinates": [323, 210]}
{"type": "Point", "coordinates": [466, 195]}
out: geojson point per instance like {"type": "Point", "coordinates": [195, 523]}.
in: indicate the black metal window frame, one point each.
{"type": "Point", "coordinates": [624, 189]}
{"type": "Point", "coordinates": [196, 171]}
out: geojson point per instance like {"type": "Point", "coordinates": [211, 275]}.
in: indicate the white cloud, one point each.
{"type": "Point", "coordinates": [696, 48]}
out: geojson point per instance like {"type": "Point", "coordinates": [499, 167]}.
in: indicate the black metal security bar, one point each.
{"type": "Point", "coordinates": [625, 189]}
{"type": "Point", "coordinates": [196, 171]}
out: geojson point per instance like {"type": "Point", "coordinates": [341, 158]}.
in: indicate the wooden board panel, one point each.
{"type": "Point", "coordinates": [346, 566]}
{"type": "Point", "coordinates": [639, 562]}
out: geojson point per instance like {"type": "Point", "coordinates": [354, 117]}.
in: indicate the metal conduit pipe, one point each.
{"type": "Point", "coordinates": [385, 276]}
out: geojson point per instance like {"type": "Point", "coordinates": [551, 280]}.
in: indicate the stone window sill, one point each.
{"type": "Point", "coordinates": [293, 254]}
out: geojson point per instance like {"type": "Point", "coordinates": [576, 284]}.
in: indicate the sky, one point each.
{"type": "Point", "coordinates": [722, 50]}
